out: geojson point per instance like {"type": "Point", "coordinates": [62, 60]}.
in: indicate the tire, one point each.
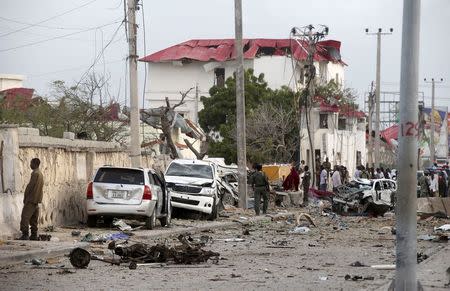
{"type": "Point", "coordinates": [214, 213]}
{"type": "Point", "coordinates": [150, 222]}
{"type": "Point", "coordinates": [92, 221]}
{"type": "Point", "coordinates": [165, 221]}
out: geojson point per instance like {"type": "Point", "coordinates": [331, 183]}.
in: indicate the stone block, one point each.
{"type": "Point", "coordinates": [69, 135]}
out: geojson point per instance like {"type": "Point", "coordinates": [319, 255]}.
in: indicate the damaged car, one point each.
{"type": "Point", "coordinates": [374, 197]}
{"type": "Point", "coordinates": [194, 185]}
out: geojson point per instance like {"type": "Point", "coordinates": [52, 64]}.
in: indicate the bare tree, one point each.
{"type": "Point", "coordinates": [166, 115]}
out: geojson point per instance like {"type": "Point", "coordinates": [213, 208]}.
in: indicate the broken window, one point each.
{"type": "Point", "coordinates": [219, 77]}
{"type": "Point", "coordinates": [323, 120]}
{"type": "Point", "coordinates": [342, 124]}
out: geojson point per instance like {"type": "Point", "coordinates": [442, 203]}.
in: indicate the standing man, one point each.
{"type": "Point", "coordinates": [327, 165]}
{"type": "Point", "coordinates": [323, 178]}
{"type": "Point", "coordinates": [260, 185]}
{"type": "Point", "coordinates": [31, 199]}
{"type": "Point", "coordinates": [336, 178]}
{"type": "Point", "coordinates": [424, 184]}
{"type": "Point", "coordinates": [305, 185]}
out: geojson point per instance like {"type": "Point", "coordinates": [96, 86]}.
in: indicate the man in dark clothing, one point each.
{"type": "Point", "coordinates": [31, 199]}
{"type": "Point", "coordinates": [424, 184]}
{"type": "Point", "coordinates": [305, 185]}
{"type": "Point", "coordinates": [260, 185]}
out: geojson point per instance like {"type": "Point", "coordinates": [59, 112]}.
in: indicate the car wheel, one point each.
{"type": "Point", "coordinates": [165, 221]}
{"type": "Point", "coordinates": [214, 213]}
{"type": "Point", "coordinates": [150, 222]}
{"type": "Point", "coordinates": [92, 221]}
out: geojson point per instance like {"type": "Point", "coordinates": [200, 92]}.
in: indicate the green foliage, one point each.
{"type": "Point", "coordinates": [219, 119]}
{"type": "Point", "coordinates": [336, 94]}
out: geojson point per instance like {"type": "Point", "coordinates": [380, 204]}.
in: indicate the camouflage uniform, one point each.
{"type": "Point", "coordinates": [260, 183]}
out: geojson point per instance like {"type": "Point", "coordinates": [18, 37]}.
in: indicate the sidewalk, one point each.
{"type": "Point", "coordinates": [431, 273]}
{"type": "Point", "coordinates": [15, 251]}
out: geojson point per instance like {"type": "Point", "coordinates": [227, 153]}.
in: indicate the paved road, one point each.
{"type": "Point", "coordinates": [318, 260]}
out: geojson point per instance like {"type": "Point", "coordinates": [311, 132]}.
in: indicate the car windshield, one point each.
{"type": "Point", "coordinates": [190, 170]}
{"type": "Point", "coordinates": [119, 176]}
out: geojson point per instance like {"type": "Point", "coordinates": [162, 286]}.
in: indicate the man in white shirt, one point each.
{"type": "Point", "coordinates": [323, 178]}
{"type": "Point", "coordinates": [336, 178]}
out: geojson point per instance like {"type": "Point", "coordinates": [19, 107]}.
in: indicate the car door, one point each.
{"type": "Point", "coordinates": [386, 192]}
{"type": "Point", "coordinates": [377, 190]}
{"type": "Point", "coordinates": [157, 190]}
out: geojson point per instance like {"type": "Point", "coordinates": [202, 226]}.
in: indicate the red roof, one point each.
{"type": "Point", "coordinates": [223, 50]}
{"type": "Point", "coordinates": [16, 98]}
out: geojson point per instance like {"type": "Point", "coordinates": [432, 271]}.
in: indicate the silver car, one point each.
{"type": "Point", "coordinates": [128, 192]}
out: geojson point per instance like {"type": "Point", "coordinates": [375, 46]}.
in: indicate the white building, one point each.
{"type": "Point", "coordinates": [200, 64]}
{"type": "Point", "coordinates": [9, 81]}
{"type": "Point", "coordinates": [203, 63]}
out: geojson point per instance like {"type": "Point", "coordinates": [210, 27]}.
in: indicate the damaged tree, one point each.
{"type": "Point", "coordinates": [164, 119]}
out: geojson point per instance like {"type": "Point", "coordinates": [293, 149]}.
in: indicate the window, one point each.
{"type": "Point", "coordinates": [220, 77]}
{"type": "Point", "coordinates": [151, 179]}
{"type": "Point", "coordinates": [323, 120]}
{"type": "Point", "coordinates": [119, 176]}
{"type": "Point", "coordinates": [342, 124]}
{"type": "Point", "coordinates": [190, 170]}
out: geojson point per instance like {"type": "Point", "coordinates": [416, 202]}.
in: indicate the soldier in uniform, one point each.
{"type": "Point", "coordinates": [31, 199]}
{"type": "Point", "coordinates": [424, 183]}
{"type": "Point", "coordinates": [260, 185]}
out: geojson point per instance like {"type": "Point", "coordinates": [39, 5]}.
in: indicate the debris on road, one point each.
{"type": "Point", "coordinates": [445, 227]}
{"type": "Point", "coordinates": [79, 258]}
{"type": "Point", "coordinates": [421, 257]}
{"type": "Point", "coordinates": [358, 278]}
{"type": "Point", "coordinates": [358, 264]}
{"type": "Point", "coordinates": [75, 233]}
{"type": "Point", "coordinates": [89, 237]}
{"type": "Point", "coordinates": [304, 216]}
{"type": "Point", "coordinates": [300, 230]}
{"type": "Point", "coordinates": [44, 237]}
{"type": "Point", "coordinates": [120, 224]}
{"type": "Point", "coordinates": [383, 267]}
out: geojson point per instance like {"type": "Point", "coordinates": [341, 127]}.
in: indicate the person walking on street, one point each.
{"type": "Point", "coordinates": [305, 185]}
{"type": "Point", "coordinates": [260, 185]}
{"type": "Point", "coordinates": [31, 200]}
{"type": "Point", "coordinates": [323, 178]}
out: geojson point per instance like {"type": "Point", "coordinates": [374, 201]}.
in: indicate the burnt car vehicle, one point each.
{"type": "Point", "coordinates": [363, 196]}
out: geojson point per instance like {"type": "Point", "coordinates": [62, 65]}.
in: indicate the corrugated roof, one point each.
{"type": "Point", "coordinates": [223, 50]}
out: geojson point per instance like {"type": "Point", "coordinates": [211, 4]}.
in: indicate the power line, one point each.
{"type": "Point", "coordinates": [48, 19]}
{"type": "Point", "coordinates": [40, 25]}
{"type": "Point", "coordinates": [101, 53]}
{"type": "Point", "coordinates": [56, 37]}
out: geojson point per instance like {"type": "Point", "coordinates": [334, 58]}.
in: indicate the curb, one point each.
{"type": "Point", "coordinates": [42, 253]}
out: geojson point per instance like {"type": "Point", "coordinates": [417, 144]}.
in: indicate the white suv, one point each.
{"type": "Point", "coordinates": [128, 192]}
{"type": "Point", "coordinates": [193, 185]}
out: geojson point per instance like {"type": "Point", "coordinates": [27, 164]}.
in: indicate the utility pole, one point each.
{"type": "Point", "coordinates": [379, 33]}
{"type": "Point", "coordinates": [433, 126]}
{"type": "Point", "coordinates": [240, 106]}
{"type": "Point", "coordinates": [135, 144]}
{"type": "Point", "coordinates": [369, 127]}
{"type": "Point", "coordinates": [196, 104]}
{"type": "Point", "coordinates": [307, 37]}
{"type": "Point", "coordinates": [406, 206]}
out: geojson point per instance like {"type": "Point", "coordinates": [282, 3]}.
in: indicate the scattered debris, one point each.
{"type": "Point", "coordinates": [421, 257]}
{"type": "Point", "coordinates": [323, 278]}
{"type": "Point", "coordinates": [122, 225]}
{"type": "Point", "coordinates": [65, 271]}
{"type": "Point", "coordinates": [37, 261]}
{"type": "Point", "coordinates": [445, 227]}
{"type": "Point", "coordinates": [246, 232]}
{"type": "Point", "coordinates": [427, 237]}
{"type": "Point", "coordinates": [233, 275]}
{"type": "Point", "coordinates": [235, 239]}
{"type": "Point", "coordinates": [79, 258]}
{"type": "Point", "coordinates": [76, 233]}
{"type": "Point", "coordinates": [50, 228]}
{"type": "Point", "coordinates": [44, 237]}
{"type": "Point", "coordinates": [89, 237]}
{"type": "Point", "coordinates": [267, 271]}
{"type": "Point", "coordinates": [383, 267]}
{"type": "Point", "coordinates": [54, 239]}
{"type": "Point", "coordinates": [300, 230]}
{"type": "Point", "coordinates": [306, 217]}
{"type": "Point", "coordinates": [358, 264]}
{"type": "Point", "coordinates": [358, 278]}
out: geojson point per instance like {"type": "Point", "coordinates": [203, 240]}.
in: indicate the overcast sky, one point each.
{"type": "Point", "coordinates": [173, 21]}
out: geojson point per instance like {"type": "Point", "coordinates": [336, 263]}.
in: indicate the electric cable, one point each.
{"type": "Point", "coordinates": [56, 37]}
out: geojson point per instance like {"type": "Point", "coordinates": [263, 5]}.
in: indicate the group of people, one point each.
{"type": "Point", "coordinates": [434, 183]}
{"type": "Point", "coordinates": [371, 173]}
{"type": "Point", "coordinates": [299, 178]}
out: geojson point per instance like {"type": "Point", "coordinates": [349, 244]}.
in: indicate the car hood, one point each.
{"type": "Point", "coordinates": [187, 180]}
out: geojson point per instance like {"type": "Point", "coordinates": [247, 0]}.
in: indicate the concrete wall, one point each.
{"type": "Point", "coordinates": [66, 169]}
